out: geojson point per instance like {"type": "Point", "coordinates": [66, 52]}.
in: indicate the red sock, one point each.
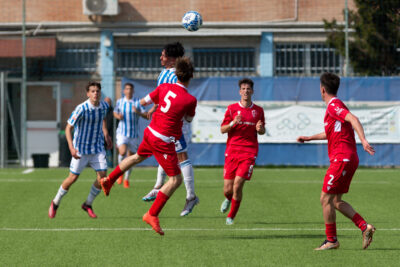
{"type": "Point", "coordinates": [158, 204]}
{"type": "Point", "coordinates": [234, 208]}
{"type": "Point", "coordinates": [330, 231]}
{"type": "Point", "coordinates": [359, 221]}
{"type": "Point", "coordinates": [229, 196]}
{"type": "Point", "coordinates": [115, 174]}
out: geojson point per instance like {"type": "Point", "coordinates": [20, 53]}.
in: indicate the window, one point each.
{"type": "Point", "coordinates": [73, 59]}
{"type": "Point", "coordinates": [292, 59]}
{"type": "Point", "coordinates": [224, 61]}
{"type": "Point", "coordinates": [138, 61]}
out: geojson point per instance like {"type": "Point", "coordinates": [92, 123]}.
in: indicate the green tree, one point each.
{"type": "Point", "coordinates": [375, 37]}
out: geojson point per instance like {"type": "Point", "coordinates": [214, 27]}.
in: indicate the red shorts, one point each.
{"type": "Point", "coordinates": [163, 152]}
{"type": "Point", "coordinates": [338, 176]}
{"type": "Point", "coordinates": [239, 165]}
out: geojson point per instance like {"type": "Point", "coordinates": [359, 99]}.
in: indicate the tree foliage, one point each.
{"type": "Point", "coordinates": [374, 39]}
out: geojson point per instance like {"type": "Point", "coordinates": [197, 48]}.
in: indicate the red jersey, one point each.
{"type": "Point", "coordinates": [243, 136]}
{"type": "Point", "coordinates": [340, 133]}
{"type": "Point", "coordinates": [174, 102]}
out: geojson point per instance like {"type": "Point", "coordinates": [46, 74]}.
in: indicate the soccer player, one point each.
{"type": "Point", "coordinates": [86, 147]}
{"type": "Point", "coordinates": [174, 105]}
{"type": "Point", "coordinates": [339, 124]}
{"type": "Point", "coordinates": [168, 57]}
{"type": "Point", "coordinates": [242, 121]}
{"type": "Point", "coordinates": [127, 111]}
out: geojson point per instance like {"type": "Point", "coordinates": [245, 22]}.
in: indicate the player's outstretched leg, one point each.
{"type": "Point", "coordinates": [107, 182]}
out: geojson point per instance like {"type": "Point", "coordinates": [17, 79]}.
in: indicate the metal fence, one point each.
{"type": "Point", "coordinates": [295, 59]}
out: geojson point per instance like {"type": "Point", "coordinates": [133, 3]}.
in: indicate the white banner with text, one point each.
{"type": "Point", "coordinates": [284, 125]}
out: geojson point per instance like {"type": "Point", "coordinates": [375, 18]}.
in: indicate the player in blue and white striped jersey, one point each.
{"type": "Point", "coordinates": [87, 146]}
{"type": "Point", "coordinates": [128, 111]}
{"type": "Point", "coordinates": [168, 57]}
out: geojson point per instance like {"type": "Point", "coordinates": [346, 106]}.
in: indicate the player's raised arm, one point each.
{"type": "Point", "coordinates": [320, 136]}
{"type": "Point", "coordinates": [357, 126]}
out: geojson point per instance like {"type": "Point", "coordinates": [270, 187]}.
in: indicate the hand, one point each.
{"type": "Point", "coordinates": [151, 111]}
{"type": "Point", "coordinates": [237, 119]}
{"type": "Point", "coordinates": [302, 139]}
{"type": "Point", "coordinates": [120, 116]}
{"type": "Point", "coordinates": [259, 126]}
{"type": "Point", "coordinates": [108, 142]}
{"type": "Point", "coordinates": [367, 147]}
{"type": "Point", "coordinates": [135, 110]}
{"type": "Point", "coordinates": [74, 153]}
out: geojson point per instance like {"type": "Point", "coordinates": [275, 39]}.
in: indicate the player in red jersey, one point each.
{"type": "Point", "coordinates": [242, 121]}
{"type": "Point", "coordinates": [174, 104]}
{"type": "Point", "coordinates": [339, 124]}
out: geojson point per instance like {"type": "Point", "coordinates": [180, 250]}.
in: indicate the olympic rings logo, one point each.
{"type": "Point", "coordinates": [303, 122]}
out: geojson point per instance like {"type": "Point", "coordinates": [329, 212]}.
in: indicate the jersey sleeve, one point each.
{"type": "Point", "coordinates": [337, 111]}
{"type": "Point", "coordinates": [155, 95]}
{"type": "Point", "coordinates": [76, 115]}
{"type": "Point", "coordinates": [228, 117]}
{"type": "Point", "coordinates": [117, 108]}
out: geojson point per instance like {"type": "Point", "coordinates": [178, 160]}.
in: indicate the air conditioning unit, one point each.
{"type": "Point", "coordinates": [100, 7]}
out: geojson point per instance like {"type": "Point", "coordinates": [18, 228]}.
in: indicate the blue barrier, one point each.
{"type": "Point", "coordinates": [286, 89]}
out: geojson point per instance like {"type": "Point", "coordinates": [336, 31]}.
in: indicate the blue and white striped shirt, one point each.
{"type": "Point", "coordinates": [167, 76]}
{"type": "Point", "coordinates": [88, 132]}
{"type": "Point", "coordinates": [129, 125]}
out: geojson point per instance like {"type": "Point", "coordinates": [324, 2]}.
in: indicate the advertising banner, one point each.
{"type": "Point", "coordinates": [285, 124]}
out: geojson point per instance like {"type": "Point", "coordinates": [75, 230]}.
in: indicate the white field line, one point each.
{"type": "Point", "coordinates": [181, 229]}
{"type": "Point", "coordinates": [28, 171]}
{"type": "Point", "coordinates": [276, 181]}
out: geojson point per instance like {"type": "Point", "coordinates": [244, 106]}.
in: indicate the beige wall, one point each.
{"type": "Point", "coordinates": [173, 10]}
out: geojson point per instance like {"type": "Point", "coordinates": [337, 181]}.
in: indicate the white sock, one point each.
{"type": "Point", "coordinates": [94, 191]}
{"type": "Point", "coordinates": [160, 177]}
{"type": "Point", "coordinates": [120, 158]}
{"type": "Point", "coordinates": [61, 192]}
{"type": "Point", "coordinates": [188, 178]}
{"type": "Point", "coordinates": [127, 173]}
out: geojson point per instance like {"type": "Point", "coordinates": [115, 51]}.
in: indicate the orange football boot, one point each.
{"type": "Point", "coordinates": [153, 222]}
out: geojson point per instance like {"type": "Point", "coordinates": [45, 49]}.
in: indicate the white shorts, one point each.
{"type": "Point", "coordinates": [182, 144]}
{"type": "Point", "coordinates": [131, 143]}
{"type": "Point", "coordinates": [97, 161]}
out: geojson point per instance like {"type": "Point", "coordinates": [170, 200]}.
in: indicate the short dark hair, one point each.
{"type": "Point", "coordinates": [184, 69]}
{"type": "Point", "coordinates": [330, 82]}
{"type": "Point", "coordinates": [246, 81]}
{"type": "Point", "coordinates": [174, 50]}
{"type": "Point", "coordinates": [92, 83]}
{"type": "Point", "coordinates": [129, 84]}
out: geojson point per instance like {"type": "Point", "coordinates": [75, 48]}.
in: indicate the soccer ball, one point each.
{"type": "Point", "coordinates": [192, 21]}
